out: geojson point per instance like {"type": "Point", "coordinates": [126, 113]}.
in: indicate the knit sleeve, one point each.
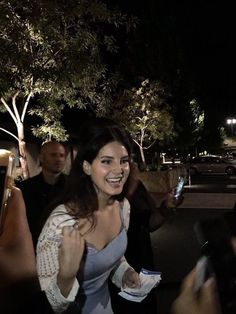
{"type": "Point", "coordinates": [47, 259]}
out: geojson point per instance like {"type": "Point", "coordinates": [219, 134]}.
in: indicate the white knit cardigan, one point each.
{"type": "Point", "coordinates": [47, 257]}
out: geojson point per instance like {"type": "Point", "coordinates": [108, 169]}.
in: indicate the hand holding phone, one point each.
{"type": "Point", "coordinates": [179, 187]}
{"type": "Point", "coordinates": [218, 260]}
{"type": "Point", "coordinates": [7, 167]}
{"type": "Point", "coordinates": [203, 272]}
{"type": "Point", "coordinates": [174, 197]}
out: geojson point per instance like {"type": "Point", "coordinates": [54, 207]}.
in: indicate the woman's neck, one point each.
{"type": "Point", "coordinates": [104, 202]}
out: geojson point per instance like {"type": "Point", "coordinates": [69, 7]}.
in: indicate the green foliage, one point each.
{"type": "Point", "coordinates": [50, 113]}
{"type": "Point", "coordinates": [197, 120]}
{"type": "Point", "coordinates": [190, 121]}
{"type": "Point", "coordinates": [52, 130]}
{"type": "Point", "coordinates": [54, 49]}
{"type": "Point", "coordinates": [145, 112]}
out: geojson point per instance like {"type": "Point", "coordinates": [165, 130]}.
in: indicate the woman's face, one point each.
{"type": "Point", "coordinates": [110, 169]}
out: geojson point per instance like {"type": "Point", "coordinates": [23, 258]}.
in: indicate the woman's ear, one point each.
{"type": "Point", "coordinates": [86, 167]}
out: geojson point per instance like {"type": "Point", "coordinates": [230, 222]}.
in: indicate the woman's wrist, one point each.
{"type": "Point", "coordinates": [65, 285]}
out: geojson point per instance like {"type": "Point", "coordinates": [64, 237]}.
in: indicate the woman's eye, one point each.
{"type": "Point", "coordinates": [124, 161]}
{"type": "Point", "coordinates": [106, 161]}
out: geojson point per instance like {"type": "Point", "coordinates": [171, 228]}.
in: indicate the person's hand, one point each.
{"type": "Point", "coordinates": [173, 202]}
{"type": "Point", "coordinates": [169, 204]}
{"type": "Point", "coordinates": [131, 279]}
{"type": "Point", "coordinates": [70, 255]}
{"type": "Point", "coordinates": [204, 302]}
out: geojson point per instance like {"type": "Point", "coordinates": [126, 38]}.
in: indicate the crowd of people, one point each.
{"type": "Point", "coordinates": [90, 231]}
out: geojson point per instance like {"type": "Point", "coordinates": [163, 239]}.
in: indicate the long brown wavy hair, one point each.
{"type": "Point", "coordinates": [80, 196]}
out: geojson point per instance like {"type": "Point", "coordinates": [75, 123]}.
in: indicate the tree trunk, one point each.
{"type": "Point", "coordinates": [142, 157]}
{"type": "Point", "coordinates": [22, 151]}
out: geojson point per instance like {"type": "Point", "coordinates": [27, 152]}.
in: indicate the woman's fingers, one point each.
{"type": "Point", "coordinates": [131, 279]}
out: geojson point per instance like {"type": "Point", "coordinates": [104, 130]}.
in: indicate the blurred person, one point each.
{"type": "Point", "coordinates": [19, 286]}
{"type": "Point", "coordinates": [145, 218]}
{"type": "Point", "coordinates": [40, 190]}
{"type": "Point", "coordinates": [206, 300]}
{"type": "Point", "coordinates": [84, 238]}
{"type": "Point", "coordinates": [189, 301]}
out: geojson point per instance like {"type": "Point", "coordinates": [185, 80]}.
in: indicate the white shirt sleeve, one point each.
{"type": "Point", "coordinates": [47, 259]}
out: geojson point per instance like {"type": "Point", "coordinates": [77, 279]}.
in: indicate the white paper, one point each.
{"type": "Point", "coordinates": [148, 279]}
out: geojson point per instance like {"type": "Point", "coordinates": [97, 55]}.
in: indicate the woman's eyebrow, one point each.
{"type": "Point", "coordinates": [111, 157]}
{"type": "Point", "coordinates": [105, 156]}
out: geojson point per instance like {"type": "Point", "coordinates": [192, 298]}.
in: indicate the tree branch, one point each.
{"type": "Point", "coordinates": [9, 110]}
{"type": "Point", "coordinates": [147, 147]}
{"type": "Point", "coordinates": [25, 106]}
{"type": "Point", "coordinates": [137, 143]}
{"type": "Point", "coordinates": [13, 135]}
{"type": "Point", "coordinates": [14, 106]}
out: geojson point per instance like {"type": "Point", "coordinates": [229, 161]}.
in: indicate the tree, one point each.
{"type": "Point", "coordinates": [51, 51]}
{"type": "Point", "coordinates": [145, 113]}
{"type": "Point", "coordinates": [197, 123]}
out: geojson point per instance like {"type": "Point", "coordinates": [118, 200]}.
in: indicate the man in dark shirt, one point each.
{"type": "Point", "coordinates": [43, 188]}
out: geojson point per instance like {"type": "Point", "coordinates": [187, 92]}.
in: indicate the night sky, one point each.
{"type": "Point", "coordinates": [208, 34]}
{"type": "Point", "coordinates": [195, 36]}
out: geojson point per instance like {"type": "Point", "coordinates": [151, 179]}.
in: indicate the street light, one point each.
{"type": "Point", "coordinates": [231, 122]}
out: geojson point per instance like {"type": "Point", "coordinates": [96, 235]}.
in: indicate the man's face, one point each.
{"type": "Point", "coordinates": [53, 158]}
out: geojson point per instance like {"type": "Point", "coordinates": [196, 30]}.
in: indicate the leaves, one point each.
{"type": "Point", "coordinates": [54, 49]}
{"type": "Point", "coordinates": [145, 112]}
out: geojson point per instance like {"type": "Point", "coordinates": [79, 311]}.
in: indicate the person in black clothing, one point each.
{"type": "Point", "coordinates": [144, 218]}
{"type": "Point", "coordinates": [45, 187]}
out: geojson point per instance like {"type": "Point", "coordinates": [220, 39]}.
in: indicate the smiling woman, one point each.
{"type": "Point", "coordinates": [84, 239]}
{"type": "Point", "coordinates": [110, 169]}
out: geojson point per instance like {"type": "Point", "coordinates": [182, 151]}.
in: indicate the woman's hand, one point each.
{"type": "Point", "coordinates": [70, 255]}
{"type": "Point", "coordinates": [205, 302]}
{"type": "Point", "coordinates": [131, 279]}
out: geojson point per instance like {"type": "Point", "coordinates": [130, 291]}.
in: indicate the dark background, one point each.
{"type": "Point", "coordinates": [189, 44]}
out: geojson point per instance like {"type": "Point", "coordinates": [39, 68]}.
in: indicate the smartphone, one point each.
{"type": "Point", "coordinates": [7, 173]}
{"type": "Point", "coordinates": [179, 187]}
{"type": "Point", "coordinates": [217, 260]}
{"type": "Point", "coordinates": [203, 272]}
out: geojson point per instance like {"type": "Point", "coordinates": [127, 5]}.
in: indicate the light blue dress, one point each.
{"type": "Point", "coordinates": [90, 293]}
{"type": "Point", "coordinates": [96, 270]}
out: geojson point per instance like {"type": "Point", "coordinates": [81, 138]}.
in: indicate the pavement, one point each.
{"type": "Point", "coordinates": [208, 200]}
{"type": "Point", "coordinates": [175, 246]}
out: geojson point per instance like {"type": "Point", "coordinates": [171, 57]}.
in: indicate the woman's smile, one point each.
{"type": "Point", "coordinates": [110, 169]}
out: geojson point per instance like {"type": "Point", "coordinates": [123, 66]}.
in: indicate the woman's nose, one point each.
{"type": "Point", "coordinates": [118, 168]}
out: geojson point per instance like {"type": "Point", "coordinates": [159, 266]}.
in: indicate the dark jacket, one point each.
{"type": "Point", "coordinates": [38, 194]}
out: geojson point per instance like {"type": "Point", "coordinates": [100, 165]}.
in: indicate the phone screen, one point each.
{"type": "Point", "coordinates": [3, 172]}
{"type": "Point", "coordinates": [203, 272]}
{"type": "Point", "coordinates": [179, 187]}
{"type": "Point", "coordinates": [7, 167]}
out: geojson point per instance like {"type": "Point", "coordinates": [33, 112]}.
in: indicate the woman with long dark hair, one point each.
{"type": "Point", "coordinates": [84, 239]}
